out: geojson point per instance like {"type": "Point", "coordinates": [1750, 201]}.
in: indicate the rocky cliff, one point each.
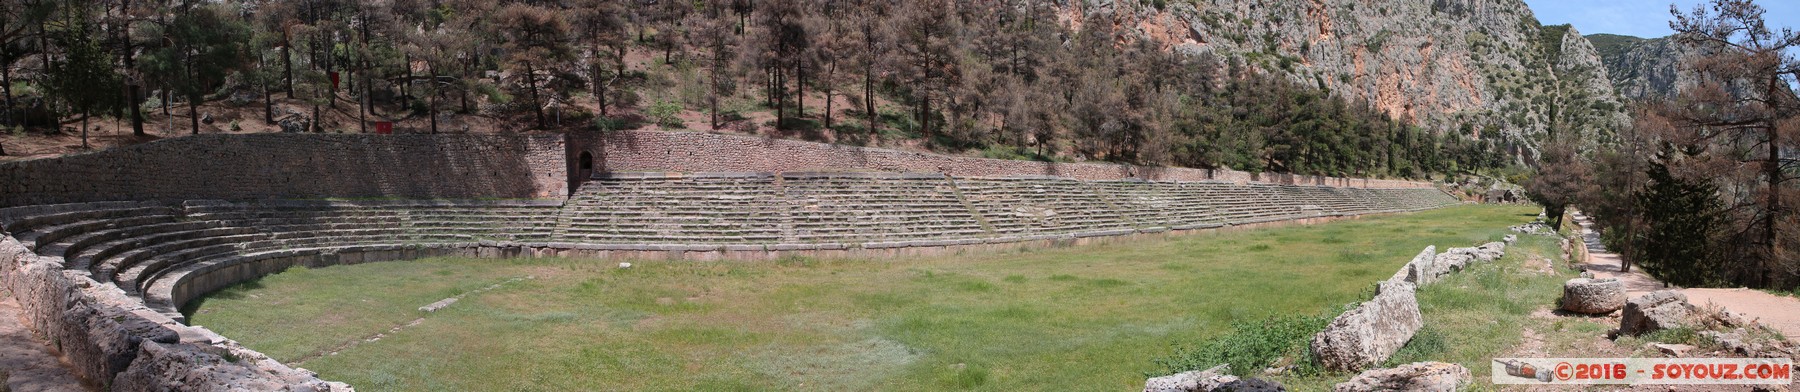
{"type": "Point", "coordinates": [1482, 68]}
{"type": "Point", "coordinates": [1644, 68]}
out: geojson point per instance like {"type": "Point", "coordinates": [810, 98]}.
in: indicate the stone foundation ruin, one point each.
{"type": "Point", "coordinates": [102, 249]}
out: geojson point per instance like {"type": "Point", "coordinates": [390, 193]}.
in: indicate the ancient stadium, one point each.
{"type": "Point", "coordinates": [105, 248]}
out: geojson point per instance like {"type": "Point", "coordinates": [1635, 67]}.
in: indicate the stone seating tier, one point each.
{"type": "Point", "coordinates": [167, 252]}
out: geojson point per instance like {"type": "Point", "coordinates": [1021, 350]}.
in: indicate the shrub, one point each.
{"type": "Point", "coordinates": [665, 113]}
{"type": "Point", "coordinates": [1251, 345]}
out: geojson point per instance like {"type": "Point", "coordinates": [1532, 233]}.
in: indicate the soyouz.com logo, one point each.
{"type": "Point", "coordinates": [1708, 371]}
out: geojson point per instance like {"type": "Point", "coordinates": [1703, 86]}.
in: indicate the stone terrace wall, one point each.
{"type": "Point", "coordinates": [111, 339]}
{"type": "Point", "coordinates": [705, 152]}
{"type": "Point", "coordinates": [298, 166]}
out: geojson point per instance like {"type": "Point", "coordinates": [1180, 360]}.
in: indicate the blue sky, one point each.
{"type": "Point", "coordinates": [1641, 18]}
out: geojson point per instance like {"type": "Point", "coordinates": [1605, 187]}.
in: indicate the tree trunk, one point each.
{"type": "Point", "coordinates": [1772, 169]}
{"type": "Point", "coordinates": [132, 89]}
{"type": "Point", "coordinates": [137, 112]}
{"type": "Point", "coordinates": [531, 86]}
{"type": "Point", "coordinates": [869, 96]}
{"type": "Point", "coordinates": [287, 63]}
{"type": "Point", "coordinates": [620, 57]}
{"type": "Point", "coordinates": [830, 74]}
{"type": "Point", "coordinates": [780, 99]}
{"type": "Point", "coordinates": [318, 124]}
{"type": "Point", "coordinates": [194, 112]}
{"type": "Point", "coordinates": [431, 104]}
{"type": "Point", "coordinates": [712, 89]}
{"type": "Point", "coordinates": [263, 80]}
{"type": "Point", "coordinates": [799, 89]}
{"type": "Point", "coordinates": [84, 127]}
{"type": "Point", "coordinates": [405, 88]}
{"type": "Point", "coordinates": [6, 118]}
{"type": "Point", "coordinates": [599, 85]}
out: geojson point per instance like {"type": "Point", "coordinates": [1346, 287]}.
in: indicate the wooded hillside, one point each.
{"type": "Point", "coordinates": [1003, 78]}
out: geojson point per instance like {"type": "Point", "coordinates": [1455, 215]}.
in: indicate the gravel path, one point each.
{"type": "Point", "coordinates": [1778, 312]}
{"type": "Point", "coordinates": [27, 362]}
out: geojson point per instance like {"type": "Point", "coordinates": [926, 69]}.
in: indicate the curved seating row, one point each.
{"type": "Point", "coordinates": [169, 252]}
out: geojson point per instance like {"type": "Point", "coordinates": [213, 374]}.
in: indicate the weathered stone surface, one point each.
{"type": "Point", "coordinates": [264, 166]}
{"type": "Point", "coordinates": [1412, 377]}
{"type": "Point", "coordinates": [1490, 251]}
{"type": "Point", "coordinates": [1191, 381]}
{"type": "Point", "coordinates": [1372, 331]}
{"type": "Point", "coordinates": [1656, 311]}
{"type": "Point", "coordinates": [190, 367]}
{"type": "Point", "coordinates": [1673, 350]}
{"type": "Point", "coordinates": [1510, 238]}
{"type": "Point", "coordinates": [1415, 271]}
{"type": "Point", "coordinates": [1448, 262]}
{"type": "Point", "coordinates": [1251, 385]}
{"type": "Point", "coordinates": [1593, 296]}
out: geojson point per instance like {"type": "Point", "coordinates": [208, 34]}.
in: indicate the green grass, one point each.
{"type": "Point", "coordinates": [1082, 318]}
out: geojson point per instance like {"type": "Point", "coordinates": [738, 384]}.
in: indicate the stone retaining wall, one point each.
{"type": "Point", "coordinates": [706, 152]}
{"type": "Point", "coordinates": [298, 166]}
{"type": "Point", "coordinates": [112, 339]}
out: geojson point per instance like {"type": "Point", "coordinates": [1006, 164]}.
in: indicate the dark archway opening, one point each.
{"type": "Point", "coordinates": [584, 170]}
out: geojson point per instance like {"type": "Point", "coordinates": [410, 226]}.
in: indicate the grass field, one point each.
{"type": "Point", "coordinates": [1079, 318]}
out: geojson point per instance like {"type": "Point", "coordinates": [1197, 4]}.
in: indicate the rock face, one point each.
{"type": "Point", "coordinates": [1372, 331]}
{"type": "Point", "coordinates": [1656, 311]}
{"type": "Point", "coordinates": [1645, 68]}
{"type": "Point", "coordinates": [1412, 377]}
{"type": "Point", "coordinates": [1593, 296]}
{"type": "Point", "coordinates": [1475, 66]}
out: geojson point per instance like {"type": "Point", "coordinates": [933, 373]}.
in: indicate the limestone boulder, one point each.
{"type": "Point", "coordinates": [1191, 381]}
{"type": "Point", "coordinates": [1414, 271]}
{"type": "Point", "coordinates": [1450, 262]}
{"type": "Point", "coordinates": [1593, 296]}
{"type": "Point", "coordinates": [1510, 238]}
{"type": "Point", "coordinates": [1489, 252]}
{"type": "Point", "coordinates": [1252, 385]}
{"type": "Point", "coordinates": [1412, 377]}
{"type": "Point", "coordinates": [1372, 331]}
{"type": "Point", "coordinates": [1656, 311]}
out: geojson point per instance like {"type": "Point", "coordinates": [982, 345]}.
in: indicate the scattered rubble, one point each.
{"type": "Point", "coordinates": [1593, 296]}
{"type": "Point", "coordinates": [1412, 377]}
{"type": "Point", "coordinates": [1660, 310]}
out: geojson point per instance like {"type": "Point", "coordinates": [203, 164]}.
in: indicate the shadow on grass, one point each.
{"type": "Point", "coordinates": [229, 293]}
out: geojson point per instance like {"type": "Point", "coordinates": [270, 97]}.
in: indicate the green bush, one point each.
{"type": "Point", "coordinates": [665, 113]}
{"type": "Point", "coordinates": [1251, 345]}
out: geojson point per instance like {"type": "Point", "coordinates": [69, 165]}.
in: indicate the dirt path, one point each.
{"type": "Point", "coordinates": [1779, 313]}
{"type": "Point", "coordinates": [26, 362]}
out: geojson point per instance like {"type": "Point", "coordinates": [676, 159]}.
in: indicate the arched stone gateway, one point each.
{"type": "Point", "coordinates": [103, 270]}
{"type": "Point", "coordinates": [584, 170]}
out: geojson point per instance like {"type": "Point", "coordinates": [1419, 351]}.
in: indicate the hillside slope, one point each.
{"type": "Point", "coordinates": [1469, 66]}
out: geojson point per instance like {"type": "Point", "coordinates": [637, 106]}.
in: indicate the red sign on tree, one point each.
{"type": "Point", "coordinates": [384, 127]}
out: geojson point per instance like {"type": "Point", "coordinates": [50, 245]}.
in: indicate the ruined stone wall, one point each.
{"type": "Point", "coordinates": [111, 339]}
{"type": "Point", "coordinates": [298, 166]}
{"type": "Point", "coordinates": [705, 152]}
